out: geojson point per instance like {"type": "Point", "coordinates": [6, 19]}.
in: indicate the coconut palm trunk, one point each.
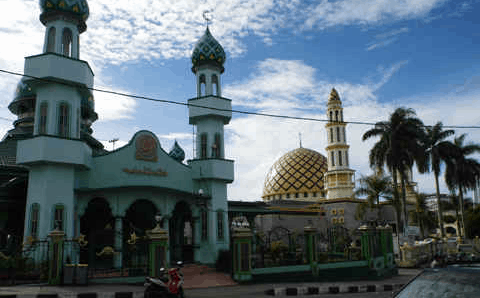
{"type": "Point", "coordinates": [440, 210]}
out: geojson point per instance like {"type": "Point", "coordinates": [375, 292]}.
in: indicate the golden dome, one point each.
{"type": "Point", "coordinates": [298, 171]}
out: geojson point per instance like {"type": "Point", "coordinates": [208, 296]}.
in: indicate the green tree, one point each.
{"type": "Point", "coordinates": [438, 149]}
{"type": "Point", "coordinates": [401, 144]}
{"type": "Point", "coordinates": [421, 215]}
{"type": "Point", "coordinates": [472, 222]}
{"type": "Point", "coordinates": [462, 173]}
{"type": "Point", "coordinates": [375, 187]}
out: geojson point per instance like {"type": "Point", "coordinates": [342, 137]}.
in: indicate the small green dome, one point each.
{"type": "Point", "coordinates": [177, 152]}
{"type": "Point", "coordinates": [22, 93]}
{"type": "Point", "coordinates": [208, 51]}
{"type": "Point", "coordinates": [76, 8]}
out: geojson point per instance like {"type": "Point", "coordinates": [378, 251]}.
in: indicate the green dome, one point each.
{"type": "Point", "coordinates": [177, 152]}
{"type": "Point", "coordinates": [76, 8]}
{"type": "Point", "coordinates": [22, 93]}
{"type": "Point", "coordinates": [208, 51]}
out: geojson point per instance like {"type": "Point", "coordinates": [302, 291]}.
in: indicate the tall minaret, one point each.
{"type": "Point", "coordinates": [210, 170]}
{"type": "Point", "coordinates": [339, 177]}
{"type": "Point", "coordinates": [63, 110]}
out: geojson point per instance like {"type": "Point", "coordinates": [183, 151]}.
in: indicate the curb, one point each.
{"type": "Point", "coordinates": [332, 289]}
{"type": "Point", "coordinates": [77, 295]}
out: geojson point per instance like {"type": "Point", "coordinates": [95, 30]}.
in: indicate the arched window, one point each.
{"type": "Point", "coordinates": [63, 120]}
{"type": "Point", "coordinates": [215, 85]}
{"type": "Point", "coordinates": [42, 125]}
{"type": "Point", "coordinates": [203, 145]}
{"type": "Point", "coordinates": [331, 135]}
{"type": "Point", "coordinates": [34, 218]}
{"type": "Point", "coordinates": [341, 116]}
{"type": "Point", "coordinates": [216, 146]}
{"type": "Point", "coordinates": [67, 42]}
{"type": "Point", "coordinates": [58, 218]}
{"type": "Point", "coordinates": [331, 116]}
{"type": "Point", "coordinates": [51, 40]}
{"type": "Point", "coordinates": [346, 159]}
{"type": "Point", "coordinates": [333, 158]}
{"type": "Point", "coordinates": [339, 158]}
{"type": "Point", "coordinates": [344, 135]}
{"type": "Point", "coordinates": [202, 83]}
{"type": "Point", "coordinates": [336, 116]}
{"type": "Point", "coordinates": [220, 225]}
{"type": "Point", "coordinates": [338, 134]}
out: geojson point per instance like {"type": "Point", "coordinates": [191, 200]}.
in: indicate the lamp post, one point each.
{"type": "Point", "coordinates": [113, 142]}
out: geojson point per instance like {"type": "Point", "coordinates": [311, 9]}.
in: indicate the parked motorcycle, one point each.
{"type": "Point", "coordinates": [168, 284]}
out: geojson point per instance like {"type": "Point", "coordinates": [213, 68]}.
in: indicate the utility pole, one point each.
{"type": "Point", "coordinates": [113, 142]}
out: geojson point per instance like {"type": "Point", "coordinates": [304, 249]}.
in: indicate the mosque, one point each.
{"type": "Point", "coordinates": [55, 174]}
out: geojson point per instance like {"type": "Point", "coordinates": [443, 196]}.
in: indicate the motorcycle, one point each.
{"type": "Point", "coordinates": [168, 284]}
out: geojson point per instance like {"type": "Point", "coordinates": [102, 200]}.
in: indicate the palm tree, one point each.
{"type": "Point", "coordinates": [420, 214]}
{"type": "Point", "coordinates": [374, 187]}
{"type": "Point", "coordinates": [437, 150]}
{"type": "Point", "coordinates": [401, 145]}
{"type": "Point", "coordinates": [462, 173]}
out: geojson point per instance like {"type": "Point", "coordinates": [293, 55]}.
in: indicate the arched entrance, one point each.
{"type": "Point", "coordinates": [97, 224]}
{"type": "Point", "coordinates": [181, 231]}
{"type": "Point", "coordinates": [139, 218]}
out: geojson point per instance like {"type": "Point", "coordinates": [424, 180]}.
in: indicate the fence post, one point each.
{"type": "Point", "coordinates": [309, 232]}
{"type": "Point", "coordinates": [242, 250]}
{"type": "Point", "coordinates": [157, 249]}
{"type": "Point", "coordinates": [55, 263]}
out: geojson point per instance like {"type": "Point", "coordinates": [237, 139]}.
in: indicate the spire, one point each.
{"type": "Point", "coordinates": [334, 95]}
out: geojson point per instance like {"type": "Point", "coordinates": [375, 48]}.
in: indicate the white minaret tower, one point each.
{"type": "Point", "coordinates": [339, 177]}
{"type": "Point", "coordinates": [63, 114]}
{"type": "Point", "coordinates": [210, 170]}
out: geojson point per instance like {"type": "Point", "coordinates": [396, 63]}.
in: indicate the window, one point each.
{"type": "Point", "coordinates": [215, 88]}
{"type": "Point", "coordinates": [344, 136]}
{"type": "Point", "coordinates": [338, 134]}
{"type": "Point", "coordinates": [305, 194]}
{"type": "Point", "coordinates": [67, 42]}
{"type": "Point", "coordinates": [336, 116]}
{"type": "Point", "coordinates": [216, 146]}
{"type": "Point", "coordinates": [346, 159]}
{"type": "Point", "coordinates": [331, 116]}
{"type": "Point", "coordinates": [219, 224]}
{"type": "Point", "coordinates": [202, 82]}
{"type": "Point", "coordinates": [339, 158]}
{"type": "Point", "coordinates": [203, 145]}
{"type": "Point", "coordinates": [331, 135]}
{"type": "Point", "coordinates": [204, 225]}
{"type": "Point", "coordinates": [296, 195]}
{"type": "Point", "coordinates": [51, 40]}
{"type": "Point", "coordinates": [333, 158]}
{"type": "Point", "coordinates": [63, 120]}
{"type": "Point", "coordinates": [34, 220]}
{"type": "Point", "coordinates": [42, 128]}
{"type": "Point", "coordinates": [341, 116]}
{"type": "Point", "coordinates": [58, 217]}
{"type": "Point", "coordinates": [288, 196]}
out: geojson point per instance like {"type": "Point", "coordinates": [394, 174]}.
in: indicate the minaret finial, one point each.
{"type": "Point", "coordinates": [300, 138]}
{"type": "Point", "coordinates": [207, 18]}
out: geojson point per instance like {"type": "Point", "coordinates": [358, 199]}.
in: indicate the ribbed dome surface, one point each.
{"type": "Point", "coordinates": [208, 51]}
{"type": "Point", "coordinates": [300, 170]}
{"type": "Point", "coordinates": [73, 8]}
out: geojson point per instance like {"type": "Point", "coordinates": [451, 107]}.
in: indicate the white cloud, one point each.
{"type": "Point", "coordinates": [113, 107]}
{"type": "Point", "coordinates": [350, 12]}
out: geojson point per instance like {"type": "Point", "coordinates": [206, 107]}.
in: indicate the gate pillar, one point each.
{"type": "Point", "coordinates": [157, 249]}
{"type": "Point", "coordinates": [117, 257]}
{"type": "Point", "coordinates": [242, 250]}
{"type": "Point", "coordinates": [55, 263]}
{"type": "Point", "coordinates": [309, 232]}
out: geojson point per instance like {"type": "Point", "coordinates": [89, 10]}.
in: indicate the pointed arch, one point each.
{"type": "Point", "coordinates": [51, 40]}
{"type": "Point", "coordinates": [67, 39]}
{"type": "Point", "coordinates": [215, 85]}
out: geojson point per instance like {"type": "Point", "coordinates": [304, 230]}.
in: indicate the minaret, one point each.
{"type": "Point", "coordinates": [210, 170]}
{"type": "Point", "coordinates": [63, 113]}
{"type": "Point", "coordinates": [339, 177]}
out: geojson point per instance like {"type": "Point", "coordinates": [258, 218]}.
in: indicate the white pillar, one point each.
{"type": "Point", "coordinates": [117, 258]}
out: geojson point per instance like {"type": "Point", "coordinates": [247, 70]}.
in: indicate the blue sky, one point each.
{"type": "Point", "coordinates": [283, 57]}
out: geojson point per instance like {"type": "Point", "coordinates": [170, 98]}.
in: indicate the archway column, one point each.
{"type": "Point", "coordinates": [118, 242]}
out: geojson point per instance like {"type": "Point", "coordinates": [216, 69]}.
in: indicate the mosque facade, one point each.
{"type": "Point", "coordinates": [108, 197]}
